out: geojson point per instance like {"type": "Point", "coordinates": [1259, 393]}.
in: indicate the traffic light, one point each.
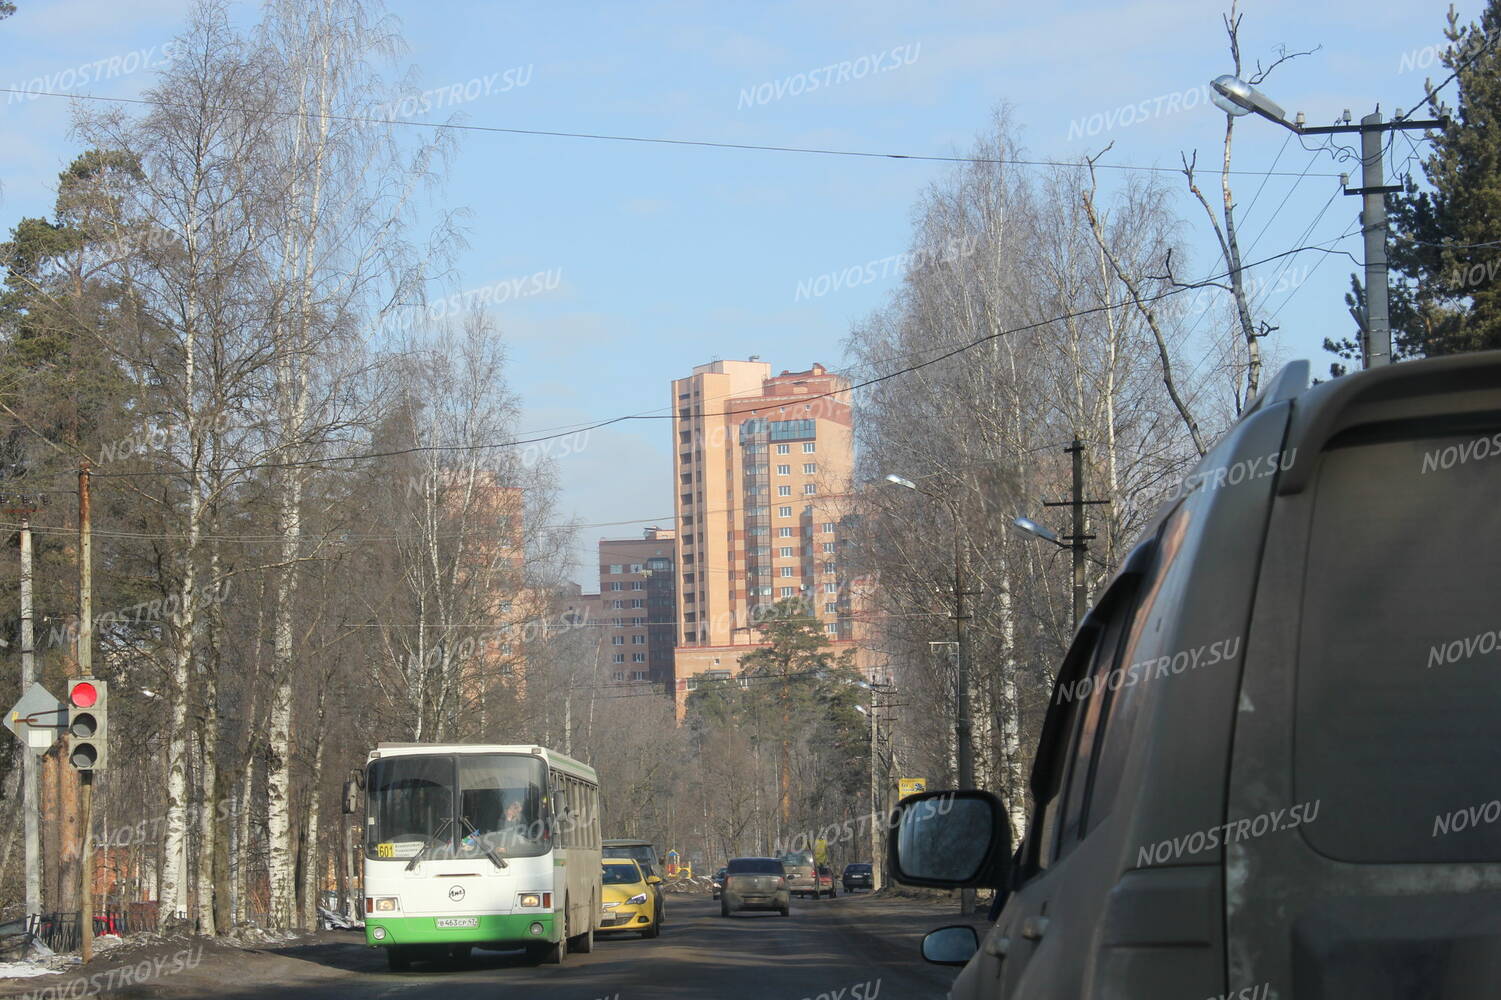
{"type": "Point", "coordinates": [88, 724]}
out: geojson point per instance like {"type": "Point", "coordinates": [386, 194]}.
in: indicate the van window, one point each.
{"type": "Point", "coordinates": [1399, 655]}
{"type": "Point", "coordinates": [1159, 595]}
{"type": "Point", "coordinates": [1055, 748]}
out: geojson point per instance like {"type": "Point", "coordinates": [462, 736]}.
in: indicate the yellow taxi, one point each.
{"type": "Point", "coordinates": [629, 902]}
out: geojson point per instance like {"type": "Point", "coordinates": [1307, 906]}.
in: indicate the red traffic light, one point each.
{"type": "Point", "coordinates": [83, 695]}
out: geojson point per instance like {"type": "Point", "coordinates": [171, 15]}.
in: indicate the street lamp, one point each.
{"type": "Point", "coordinates": [1236, 97]}
{"type": "Point", "coordinates": [1031, 527]}
{"type": "Point", "coordinates": [962, 726]}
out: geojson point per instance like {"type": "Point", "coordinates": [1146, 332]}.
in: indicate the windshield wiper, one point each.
{"type": "Point", "coordinates": [431, 841]}
{"type": "Point", "coordinates": [495, 859]}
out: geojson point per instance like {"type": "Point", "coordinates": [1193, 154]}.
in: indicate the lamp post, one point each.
{"type": "Point", "coordinates": [1236, 97]}
{"type": "Point", "coordinates": [962, 726]}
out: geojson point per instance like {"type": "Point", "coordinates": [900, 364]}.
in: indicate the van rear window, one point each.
{"type": "Point", "coordinates": [1398, 721]}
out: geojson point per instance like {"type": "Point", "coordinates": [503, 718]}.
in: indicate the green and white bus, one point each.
{"type": "Point", "coordinates": [477, 845]}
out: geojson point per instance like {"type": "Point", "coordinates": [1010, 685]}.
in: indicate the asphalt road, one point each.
{"type": "Point", "coordinates": [850, 948]}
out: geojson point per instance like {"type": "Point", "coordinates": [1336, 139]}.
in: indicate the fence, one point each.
{"type": "Point", "coordinates": [61, 931]}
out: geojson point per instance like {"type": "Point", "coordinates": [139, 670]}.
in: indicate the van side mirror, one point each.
{"type": "Point", "coordinates": [951, 840]}
{"type": "Point", "coordinates": [952, 945]}
{"type": "Point", "coordinates": [351, 797]}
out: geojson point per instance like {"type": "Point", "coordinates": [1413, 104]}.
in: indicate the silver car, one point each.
{"type": "Point", "coordinates": [755, 884]}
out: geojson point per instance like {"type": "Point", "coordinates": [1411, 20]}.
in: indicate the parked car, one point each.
{"type": "Point", "coordinates": [628, 900]}
{"type": "Point", "coordinates": [858, 875]}
{"type": "Point", "coordinates": [1255, 769]}
{"type": "Point", "coordinates": [716, 882]}
{"type": "Point", "coordinates": [755, 884]}
{"type": "Point", "coordinates": [801, 880]}
{"type": "Point", "coordinates": [826, 882]}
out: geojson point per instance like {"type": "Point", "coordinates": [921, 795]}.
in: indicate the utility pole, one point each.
{"type": "Point", "coordinates": [962, 723]}
{"type": "Point", "coordinates": [29, 763]}
{"type": "Point", "coordinates": [1237, 97]}
{"type": "Point", "coordinates": [1378, 334]}
{"type": "Point", "coordinates": [86, 669]}
{"type": "Point", "coordinates": [1078, 541]}
{"type": "Point", "coordinates": [877, 818]}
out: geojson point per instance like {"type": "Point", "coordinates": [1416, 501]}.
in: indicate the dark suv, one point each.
{"type": "Point", "coordinates": [858, 875]}
{"type": "Point", "coordinates": [1269, 763]}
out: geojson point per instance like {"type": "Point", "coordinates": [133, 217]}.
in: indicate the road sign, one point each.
{"type": "Point", "coordinates": [911, 786]}
{"type": "Point", "coordinates": [37, 719]}
{"type": "Point", "coordinates": [821, 851]}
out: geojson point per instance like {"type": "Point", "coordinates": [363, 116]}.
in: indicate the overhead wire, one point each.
{"type": "Point", "coordinates": [605, 137]}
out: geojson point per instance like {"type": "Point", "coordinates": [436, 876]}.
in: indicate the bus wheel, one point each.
{"type": "Point", "coordinates": [398, 959]}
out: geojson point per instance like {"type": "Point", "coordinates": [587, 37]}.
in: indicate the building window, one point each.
{"type": "Point", "coordinates": [637, 567]}
{"type": "Point", "coordinates": [617, 585]}
{"type": "Point", "coordinates": [785, 552]}
{"type": "Point", "coordinates": [830, 607]}
{"type": "Point", "coordinates": [784, 491]}
{"type": "Point", "coordinates": [784, 512]}
{"type": "Point", "coordinates": [638, 640]}
{"type": "Point", "coordinates": [619, 605]}
{"type": "Point", "coordinates": [809, 468]}
{"type": "Point", "coordinates": [638, 584]}
{"type": "Point", "coordinates": [783, 449]}
{"type": "Point", "coordinates": [638, 657]}
{"type": "Point", "coordinates": [618, 658]}
{"type": "Point", "coordinates": [786, 571]}
{"type": "Point", "coordinates": [832, 628]}
{"type": "Point", "coordinates": [616, 568]}
{"type": "Point", "coordinates": [618, 675]}
{"type": "Point", "coordinates": [828, 527]}
{"type": "Point", "coordinates": [659, 564]}
{"type": "Point", "coordinates": [638, 621]}
{"type": "Point", "coordinates": [831, 588]}
{"type": "Point", "coordinates": [638, 675]}
{"type": "Point", "coordinates": [788, 591]}
{"type": "Point", "coordinates": [791, 430]}
{"type": "Point", "coordinates": [781, 533]}
{"type": "Point", "coordinates": [807, 447]}
{"type": "Point", "coordinates": [638, 603]}
{"type": "Point", "coordinates": [784, 470]}
{"type": "Point", "coordinates": [617, 640]}
{"type": "Point", "coordinates": [828, 546]}
{"type": "Point", "coordinates": [809, 489]}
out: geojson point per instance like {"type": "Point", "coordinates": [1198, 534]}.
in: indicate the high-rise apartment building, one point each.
{"type": "Point", "coordinates": [762, 469]}
{"type": "Point", "coordinates": [637, 582]}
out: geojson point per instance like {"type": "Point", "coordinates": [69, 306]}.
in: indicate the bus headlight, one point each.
{"type": "Point", "coordinates": [537, 928]}
{"type": "Point", "coordinates": [379, 933]}
{"type": "Point", "coordinates": [530, 899]}
{"type": "Point", "coordinates": [386, 904]}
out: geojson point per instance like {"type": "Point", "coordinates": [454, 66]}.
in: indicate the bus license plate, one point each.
{"type": "Point", "coordinates": [444, 922]}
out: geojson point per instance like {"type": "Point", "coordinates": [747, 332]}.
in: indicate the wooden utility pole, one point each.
{"type": "Point", "coordinates": [85, 669]}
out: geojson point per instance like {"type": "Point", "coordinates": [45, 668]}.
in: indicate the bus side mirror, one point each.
{"type": "Point", "coordinates": [351, 798]}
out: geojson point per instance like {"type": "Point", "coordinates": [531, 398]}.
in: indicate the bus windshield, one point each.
{"type": "Point", "coordinates": [456, 806]}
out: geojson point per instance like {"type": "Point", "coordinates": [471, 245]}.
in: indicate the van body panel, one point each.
{"type": "Point", "coordinates": [1362, 901]}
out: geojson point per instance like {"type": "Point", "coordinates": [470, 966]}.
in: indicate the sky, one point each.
{"type": "Point", "coordinates": [642, 260]}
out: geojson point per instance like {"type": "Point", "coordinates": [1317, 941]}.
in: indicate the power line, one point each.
{"type": "Point", "coordinates": [605, 137]}
{"type": "Point", "coordinates": [943, 356]}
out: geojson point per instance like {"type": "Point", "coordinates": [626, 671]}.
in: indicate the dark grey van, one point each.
{"type": "Point", "coordinates": [1271, 766]}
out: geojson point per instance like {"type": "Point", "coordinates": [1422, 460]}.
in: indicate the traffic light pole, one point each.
{"type": "Point", "coordinates": [85, 669]}
{"type": "Point", "coordinates": [29, 763]}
